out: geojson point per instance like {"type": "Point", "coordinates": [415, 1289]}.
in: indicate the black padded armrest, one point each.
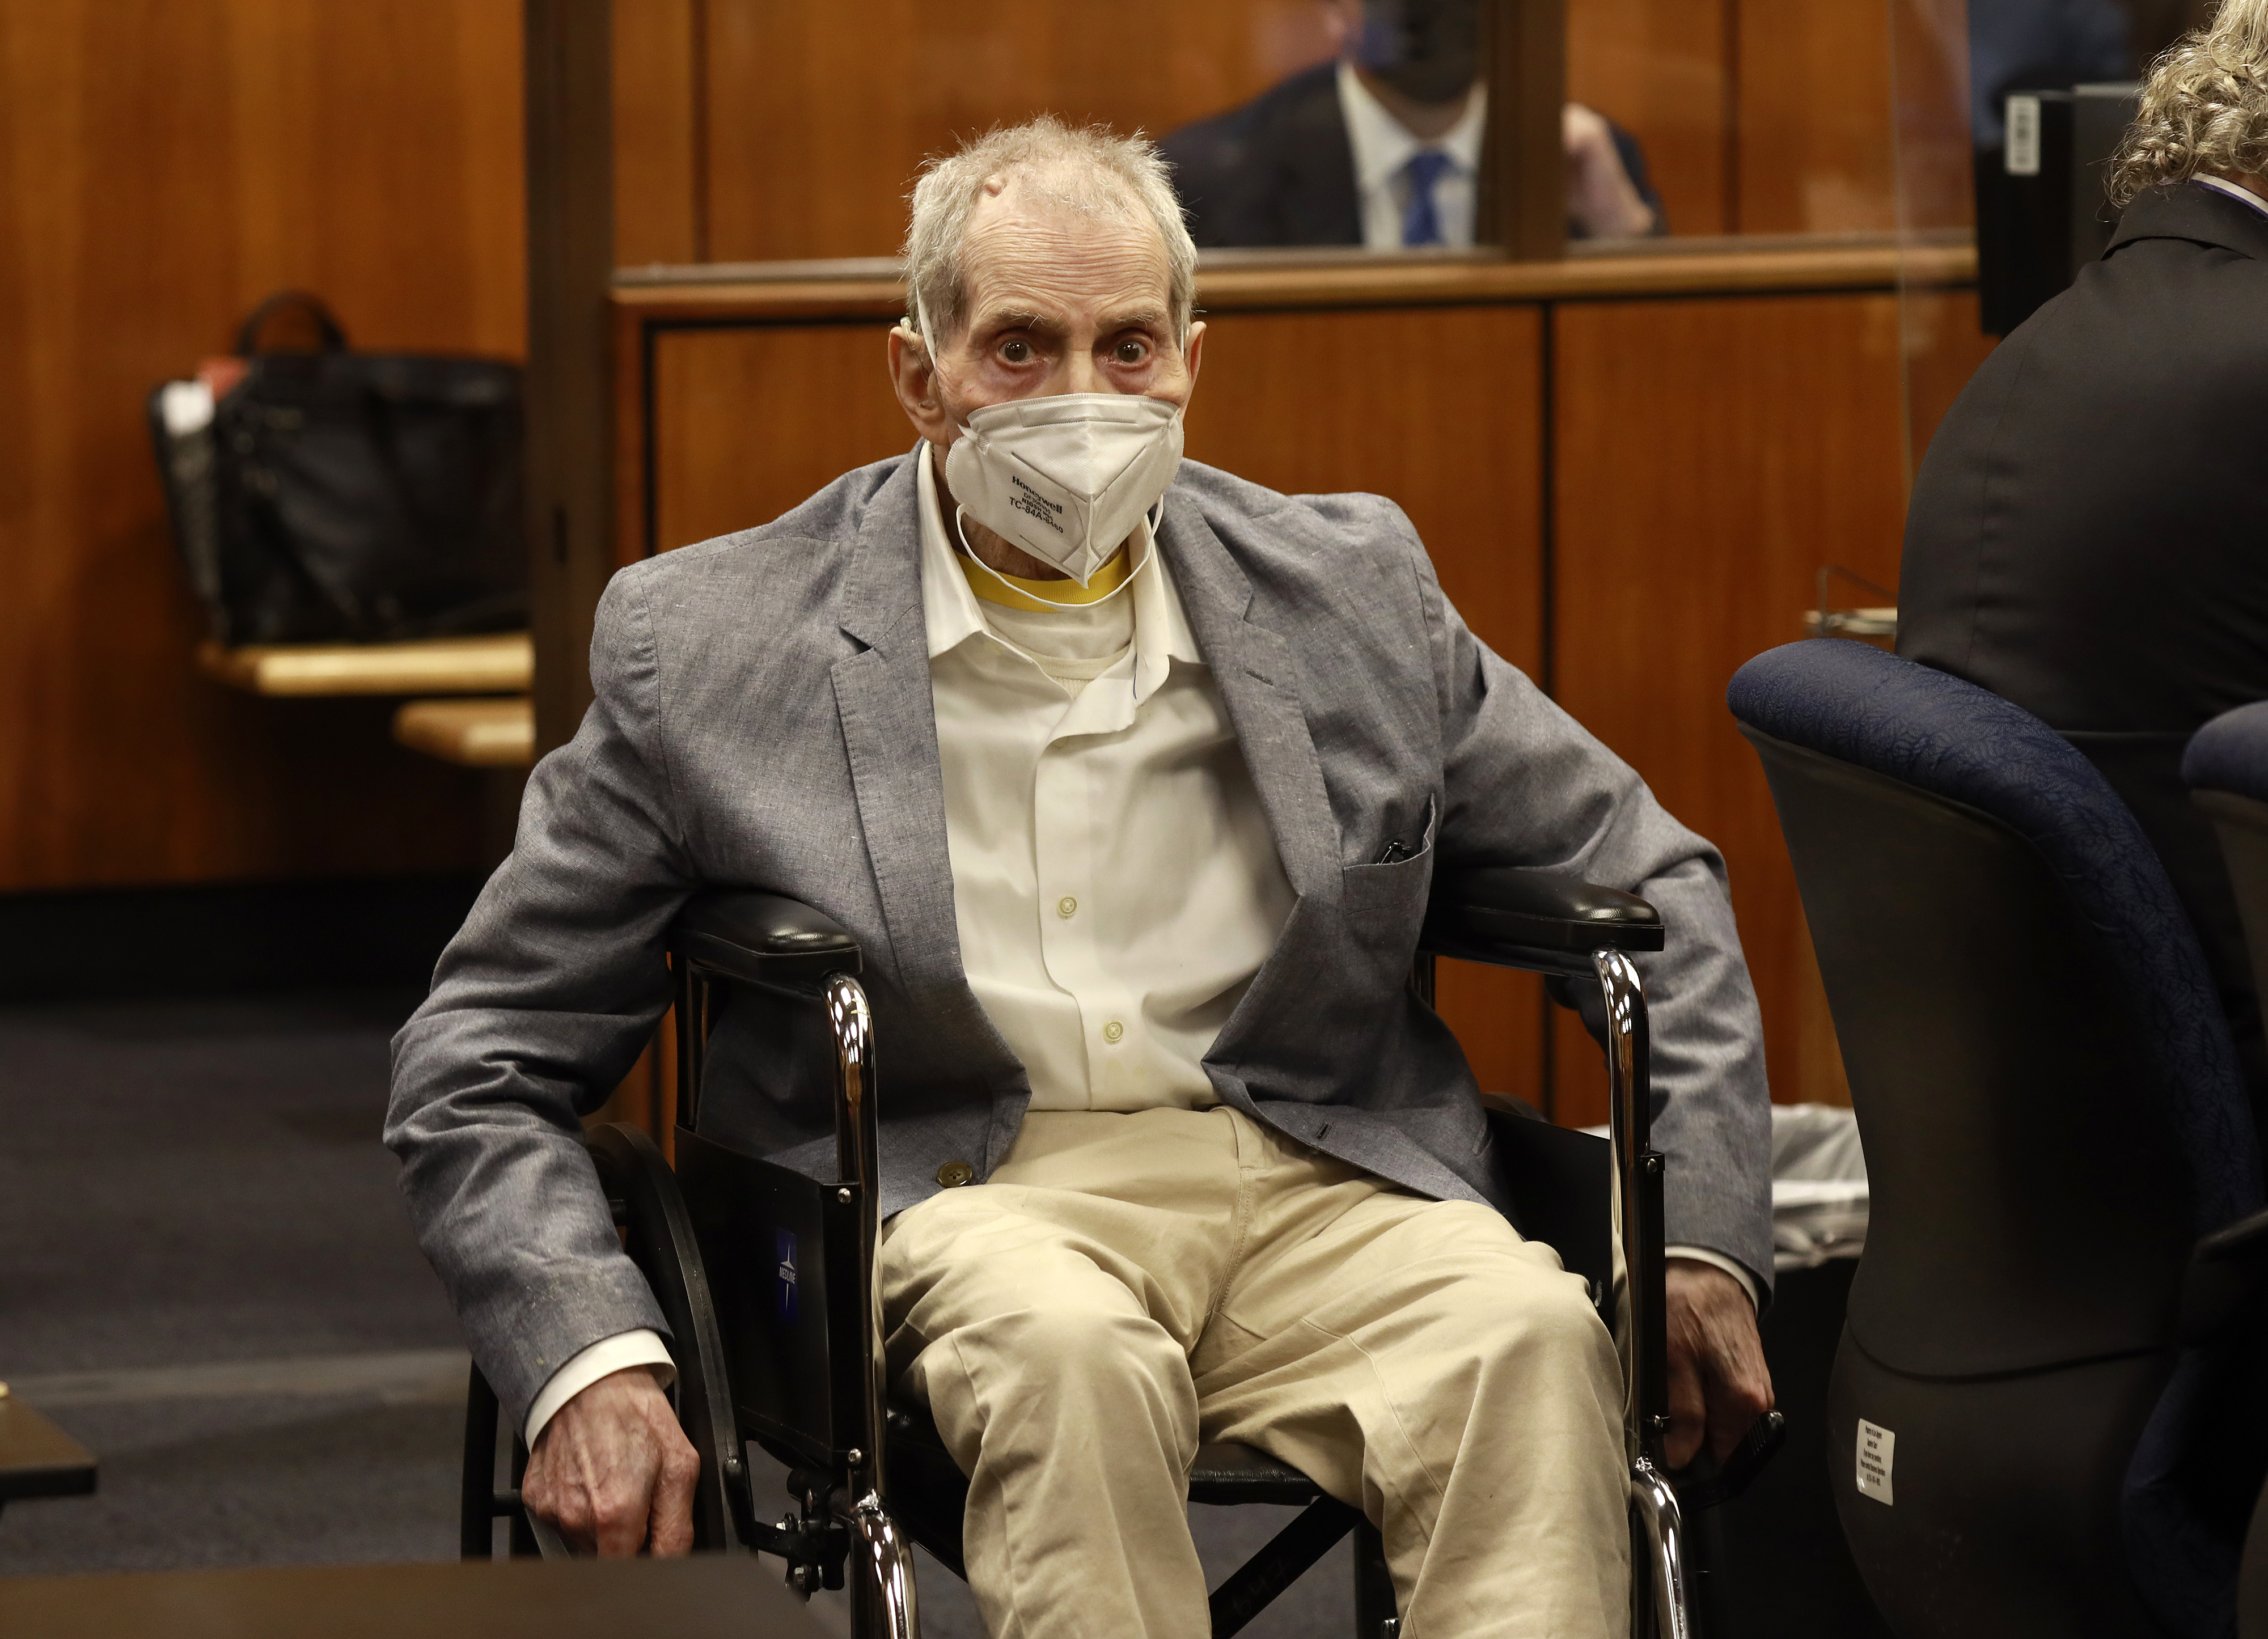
{"type": "Point", "coordinates": [761, 938]}
{"type": "Point", "coordinates": [1517, 917]}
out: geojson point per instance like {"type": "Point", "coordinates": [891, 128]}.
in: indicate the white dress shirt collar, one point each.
{"type": "Point", "coordinates": [953, 614]}
{"type": "Point", "coordinates": [1383, 145]}
{"type": "Point", "coordinates": [2233, 192]}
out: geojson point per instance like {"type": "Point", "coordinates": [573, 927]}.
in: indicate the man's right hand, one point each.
{"type": "Point", "coordinates": [614, 1472]}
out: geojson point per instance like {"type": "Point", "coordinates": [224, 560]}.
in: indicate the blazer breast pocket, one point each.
{"type": "Point", "coordinates": [1386, 903]}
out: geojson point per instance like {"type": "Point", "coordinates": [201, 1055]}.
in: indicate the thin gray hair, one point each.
{"type": "Point", "coordinates": [2205, 108]}
{"type": "Point", "coordinates": [1090, 170]}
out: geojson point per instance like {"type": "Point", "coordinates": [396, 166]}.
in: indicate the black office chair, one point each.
{"type": "Point", "coordinates": [768, 1278]}
{"type": "Point", "coordinates": [2066, 1184]}
{"type": "Point", "coordinates": [2226, 768]}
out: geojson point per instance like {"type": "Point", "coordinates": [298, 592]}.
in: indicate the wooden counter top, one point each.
{"type": "Point", "coordinates": [1232, 281]}
{"type": "Point", "coordinates": [475, 733]}
{"type": "Point", "coordinates": [496, 663]}
{"type": "Point", "coordinates": [36, 1458]}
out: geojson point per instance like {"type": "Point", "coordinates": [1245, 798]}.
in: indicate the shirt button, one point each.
{"type": "Point", "coordinates": [953, 1174]}
{"type": "Point", "coordinates": [1066, 906]}
{"type": "Point", "coordinates": [1113, 1032]}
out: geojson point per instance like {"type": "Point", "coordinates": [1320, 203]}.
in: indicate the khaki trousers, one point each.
{"type": "Point", "coordinates": [1127, 1285]}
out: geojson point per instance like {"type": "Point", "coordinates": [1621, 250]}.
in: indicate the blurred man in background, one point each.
{"type": "Point", "coordinates": [1381, 147]}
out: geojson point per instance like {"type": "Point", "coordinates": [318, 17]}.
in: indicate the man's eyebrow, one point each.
{"type": "Point", "coordinates": [1019, 318]}
{"type": "Point", "coordinates": [1140, 319]}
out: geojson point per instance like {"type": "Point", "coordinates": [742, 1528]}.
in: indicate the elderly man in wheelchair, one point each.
{"type": "Point", "coordinates": [1111, 801]}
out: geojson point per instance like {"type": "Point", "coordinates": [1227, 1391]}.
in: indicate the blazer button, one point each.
{"type": "Point", "coordinates": [953, 1174]}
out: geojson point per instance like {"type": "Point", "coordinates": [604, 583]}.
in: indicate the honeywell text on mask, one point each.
{"type": "Point", "coordinates": [1030, 501]}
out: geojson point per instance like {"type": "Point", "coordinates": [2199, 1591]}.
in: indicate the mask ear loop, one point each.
{"type": "Point", "coordinates": [1025, 591]}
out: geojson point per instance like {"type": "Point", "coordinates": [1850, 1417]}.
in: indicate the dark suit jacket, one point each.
{"type": "Point", "coordinates": [2089, 535]}
{"type": "Point", "coordinates": [1280, 170]}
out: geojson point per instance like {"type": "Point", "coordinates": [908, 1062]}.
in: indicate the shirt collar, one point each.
{"type": "Point", "coordinates": [2233, 192]}
{"type": "Point", "coordinates": [1383, 145]}
{"type": "Point", "coordinates": [954, 615]}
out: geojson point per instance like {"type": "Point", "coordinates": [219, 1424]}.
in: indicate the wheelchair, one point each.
{"type": "Point", "coordinates": [768, 1280]}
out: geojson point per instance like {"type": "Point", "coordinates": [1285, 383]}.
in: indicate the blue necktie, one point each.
{"type": "Point", "coordinates": [1421, 223]}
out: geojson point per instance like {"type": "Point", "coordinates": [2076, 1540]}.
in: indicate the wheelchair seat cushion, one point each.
{"type": "Point", "coordinates": [1926, 729]}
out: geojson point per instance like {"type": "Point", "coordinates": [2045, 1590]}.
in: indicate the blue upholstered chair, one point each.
{"type": "Point", "coordinates": [2067, 1182]}
{"type": "Point", "coordinates": [2226, 768]}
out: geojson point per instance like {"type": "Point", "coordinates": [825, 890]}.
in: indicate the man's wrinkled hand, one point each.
{"type": "Point", "coordinates": [614, 1472]}
{"type": "Point", "coordinates": [1719, 1384]}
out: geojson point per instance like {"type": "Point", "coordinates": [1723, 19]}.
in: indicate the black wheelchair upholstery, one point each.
{"type": "Point", "coordinates": [766, 1278]}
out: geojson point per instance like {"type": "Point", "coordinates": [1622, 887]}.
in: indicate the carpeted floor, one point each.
{"type": "Point", "coordinates": [206, 1270]}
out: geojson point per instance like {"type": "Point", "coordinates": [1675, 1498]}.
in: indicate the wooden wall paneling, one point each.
{"type": "Point", "coordinates": [1814, 117]}
{"type": "Point", "coordinates": [660, 126]}
{"type": "Point", "coordinates": [162, 167]}
{"type": "Point", "coordinates": [1523, 177]}
{"type": "Point", "coordinates": [820, 115]}
{"type": "Point", "coordinates": [1712, 455]}
{"type": "Point", "coordinates": [750, 421]}
{"type": "Point", "coordinates": [1414, 404]}
{"type": "Point", "coordinates": [570, 239]}
{"type": "Point", "coordinates": [1659, 69]}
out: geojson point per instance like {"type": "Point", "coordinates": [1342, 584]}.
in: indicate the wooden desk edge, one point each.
{"type": "Point", "coordinates": [472, 733]}
{"type": "Point", "coordinates": [38, 1459]}
{"type": "Point", "coordinates": [1350, 283]}
{"type": "Point", "coordinates": [490, 664]}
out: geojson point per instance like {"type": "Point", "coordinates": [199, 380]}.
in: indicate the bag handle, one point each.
{"type": "Point", "coordinates": [333, 336]}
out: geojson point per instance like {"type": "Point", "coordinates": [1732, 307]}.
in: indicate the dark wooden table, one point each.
{"type": "Point", "coordinates": [36, 1458]}
{"type": "Point", "coordinates": [738, 1595]}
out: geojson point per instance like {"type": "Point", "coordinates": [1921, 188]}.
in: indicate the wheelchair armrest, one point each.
{"type": "Point", "coordinates": [761, 938]}
{"type": "Point", "coordinates": [1516, 916]}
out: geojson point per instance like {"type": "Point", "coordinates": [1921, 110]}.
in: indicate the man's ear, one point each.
{"type": "Point", "coordinates": [1193, 351]}
{"type": "Point", "coordinates": [914, 378]}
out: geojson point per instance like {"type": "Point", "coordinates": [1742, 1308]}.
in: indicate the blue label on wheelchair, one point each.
{"type": "Point", "coordinates": [786, 1248]}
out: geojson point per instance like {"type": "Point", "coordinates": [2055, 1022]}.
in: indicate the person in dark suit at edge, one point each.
{"type": "Point", "coordinates": [1381, 146]}
{"type": "Point", "coordinates": [2089, 534]}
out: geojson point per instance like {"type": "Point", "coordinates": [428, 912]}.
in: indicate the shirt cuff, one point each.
{"type": "Point", "coordinates": [1698, 1254]}
{"type": "Point", "coordinates": [603, 1358]}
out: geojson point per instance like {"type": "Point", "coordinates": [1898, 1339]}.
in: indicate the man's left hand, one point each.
{"type": "Point", "coordinates": [1719, 1384]}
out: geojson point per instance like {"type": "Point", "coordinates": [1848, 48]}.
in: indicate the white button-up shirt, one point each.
{"type": "Point", "coordinates": [1383, 147]}
{"type": "Point", "coordinates": [1116, 886]}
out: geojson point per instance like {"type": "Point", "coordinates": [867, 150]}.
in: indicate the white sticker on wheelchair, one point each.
{"type": "Point", "coordinates": [1877, 1451]}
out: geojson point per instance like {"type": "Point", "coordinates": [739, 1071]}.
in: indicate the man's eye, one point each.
{"type": "Point", "coordinates": [1016, 352]}
{"type": "Point", "coordinates": [1131, 352]}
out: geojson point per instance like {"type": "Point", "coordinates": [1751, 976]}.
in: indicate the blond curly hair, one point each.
{"type": "Point", "coordinates": [2204, 109]}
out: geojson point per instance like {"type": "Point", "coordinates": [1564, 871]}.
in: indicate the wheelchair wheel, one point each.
{"type": "Point", "coordinates": [658, 1235]}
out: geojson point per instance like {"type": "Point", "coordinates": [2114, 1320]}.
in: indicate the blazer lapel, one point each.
{"type": "Point", "coordinates": [1258, 679]}
{"type": "Point", "coordinates": [889, 732]}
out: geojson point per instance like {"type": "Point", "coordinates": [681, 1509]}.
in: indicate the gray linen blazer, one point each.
{"type": "Point", "coordinates": [763, 719]}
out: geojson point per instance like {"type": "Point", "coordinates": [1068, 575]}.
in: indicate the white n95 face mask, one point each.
{"type": "Point", "coordinates": [1066, 478]}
